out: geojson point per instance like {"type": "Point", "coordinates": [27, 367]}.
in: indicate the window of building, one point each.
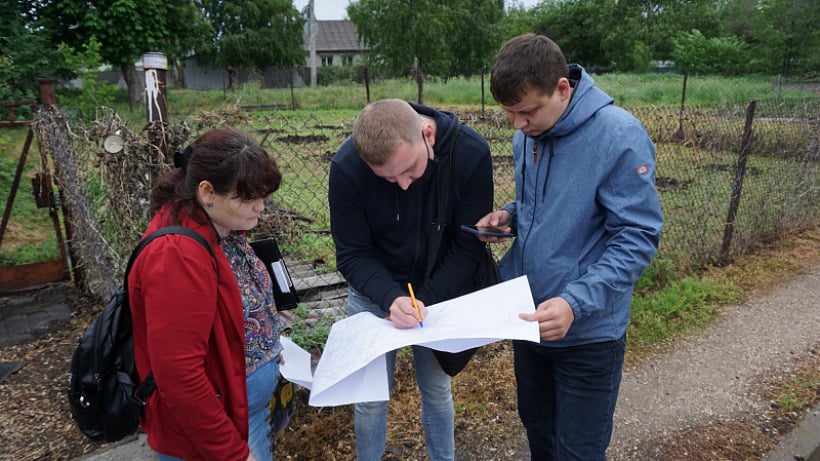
{"type": "Point", "coordinates": [327, 61]}
{"type": "Point", "coordinates": [347, 60]}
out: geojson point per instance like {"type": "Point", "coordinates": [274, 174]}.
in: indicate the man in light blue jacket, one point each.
{"type": "Point", "coordinates": [587, 221]}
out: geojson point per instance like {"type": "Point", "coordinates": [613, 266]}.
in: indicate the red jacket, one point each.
{"type": "Point", "coordinates": [188, 330]}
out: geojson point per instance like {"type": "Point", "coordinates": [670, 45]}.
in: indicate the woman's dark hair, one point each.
{"type": "Point", "coordinates": [230, 160]}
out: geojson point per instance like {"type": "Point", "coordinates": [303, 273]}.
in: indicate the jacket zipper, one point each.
{"type": "Point", "coordinates": [535, 189]}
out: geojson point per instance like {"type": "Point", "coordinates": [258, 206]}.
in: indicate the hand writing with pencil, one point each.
{"type": "Point", "coordinates": [404, 315]}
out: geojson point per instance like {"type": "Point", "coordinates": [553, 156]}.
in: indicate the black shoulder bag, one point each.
{"type": "Point", "coordinates": [486, 274]}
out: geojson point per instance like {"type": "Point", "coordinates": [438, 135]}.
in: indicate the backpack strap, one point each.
{"type": "Point", "coordinates": [147, 387]}
{"type": "Point", "coordinates": [181, 230]}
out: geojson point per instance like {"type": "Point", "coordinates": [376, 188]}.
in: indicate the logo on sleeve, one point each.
{"type": "Point", "coordinates": [642, 169]}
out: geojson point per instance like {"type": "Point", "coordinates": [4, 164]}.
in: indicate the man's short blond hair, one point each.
{"type": "Point", "coordinates": [382, 126]}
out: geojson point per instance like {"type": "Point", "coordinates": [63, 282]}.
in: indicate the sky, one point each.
{"type": "Point", "coordinates": [335, 9]}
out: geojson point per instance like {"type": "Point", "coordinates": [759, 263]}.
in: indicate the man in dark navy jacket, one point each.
{"type": "Point", "coordinates": [384, 195]}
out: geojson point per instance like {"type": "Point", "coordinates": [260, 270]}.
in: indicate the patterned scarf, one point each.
{"type": "Point", "coordinates": [262, 324]}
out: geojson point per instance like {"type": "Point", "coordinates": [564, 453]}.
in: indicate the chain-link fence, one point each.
{"type": "Point", "coordinates": [698, 157]}
{"type": "Point", "coordinates": [703, 164]}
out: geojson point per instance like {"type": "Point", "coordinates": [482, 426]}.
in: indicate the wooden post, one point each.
{"type": "Point", "coordinates": [740, 172]}
{"type": "Point", "coordinates": [367, 84]}
{"type": "Point", "coordinates": [47, 94]}
{"type": "Point", "coordinates": [49, 99]}
{"type": "Point", "coordinates": [155, 66]}
{"type": "Point", "coordinates": [483, 74]}
{"type": "Point", "coordinates": [680, 135]}
{"type": "Point", "coordinates": [313, 31]}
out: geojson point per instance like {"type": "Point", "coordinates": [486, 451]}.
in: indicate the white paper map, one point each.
{"type": "Point", "coordinates": [296, 368]}
{"type": "Point", "coordinates": [352, 367]}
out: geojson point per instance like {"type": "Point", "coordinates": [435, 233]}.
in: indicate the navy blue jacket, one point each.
{"type": "Point", "coordinates": [382, 232]}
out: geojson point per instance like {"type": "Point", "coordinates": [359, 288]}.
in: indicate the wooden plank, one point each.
{"type": "Point", "coordinates": [317, 281]}
{"type": "Point", "coordinates": [326, 294]}
{"type": "Point", "coordinates": [323, 294]}
{"type": "Point", "coordinates": [29, 275]}
{"type": "Point", "coordinates": [334, 305]}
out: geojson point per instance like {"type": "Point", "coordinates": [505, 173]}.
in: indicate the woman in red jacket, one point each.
{"type": "Point", "coordinates": [188, 318]}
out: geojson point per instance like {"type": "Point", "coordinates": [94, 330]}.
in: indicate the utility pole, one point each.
{"type": "Point", "coordinates": [313, 30]}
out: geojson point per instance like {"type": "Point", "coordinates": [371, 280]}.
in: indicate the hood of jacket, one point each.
{"type": "Point", "coordinates": [587, 99]}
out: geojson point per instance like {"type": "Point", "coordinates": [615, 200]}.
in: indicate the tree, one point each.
{"type": "Point", "coordinates": [253, 34]}
{"type": "Point", "coordinates": [125, 29]}
{"type": "Point", "coordinates": [623, 35]}
{"type": "Point", "coordinates": [579, 27]}
{"type": "Point", "coordinates": [517, 20]}
{"type": "Point", "coordinates": [25, 54]}
{"type": "Point", "coordinates": [667, 19]}
{"type": "Point", "coordinates": [693, 52]}
{"type": "Point", "coordinates": [477, 36]}
{"type": "Point", "coordinates": [94, 92]}
{"type": "Point", "coordinates": [408, 37]}
{"type": "Point", "coordinates": [783, 35]}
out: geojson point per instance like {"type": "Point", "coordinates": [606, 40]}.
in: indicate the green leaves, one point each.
{"type": "Point", "coordinates": [421, 38]}
{"type": "Point", "coordinates": [255, 35]}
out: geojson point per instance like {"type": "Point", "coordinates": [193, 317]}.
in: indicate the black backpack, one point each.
{"type": "Point", "coordinates": [105, 400]}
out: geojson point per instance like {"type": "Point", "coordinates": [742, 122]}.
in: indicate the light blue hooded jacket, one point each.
{"type": "Point", "coordinates": [586, 212]}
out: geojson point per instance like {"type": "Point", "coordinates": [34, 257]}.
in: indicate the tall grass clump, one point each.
{"type": "Point", "coordinates": [676, 308]}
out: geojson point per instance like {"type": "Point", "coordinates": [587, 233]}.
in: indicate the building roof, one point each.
{"type": "Point", "coordinates": [335, 36]}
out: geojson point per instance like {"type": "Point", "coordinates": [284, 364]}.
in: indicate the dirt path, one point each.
{"type": "Point", "coordinates": [711, 374]}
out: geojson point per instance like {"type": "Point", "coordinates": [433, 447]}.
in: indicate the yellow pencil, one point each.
{"type": "Point", "coordinates": [415, 305]}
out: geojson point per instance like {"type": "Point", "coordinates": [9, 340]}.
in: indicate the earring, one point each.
{"type": "Point", "coordinates": [210, 204]}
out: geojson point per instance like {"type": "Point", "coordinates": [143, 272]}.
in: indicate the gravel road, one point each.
{"type": "Point", "coordinates": [711, 374]}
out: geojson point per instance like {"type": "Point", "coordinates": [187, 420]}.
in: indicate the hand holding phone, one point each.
{"type": "Point", "coordinates": [487, 231]}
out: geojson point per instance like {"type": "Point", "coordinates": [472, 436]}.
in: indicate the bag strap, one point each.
{"type": "Point", "coordinates": [181, 230]}
{"type": "Point", "coordinates": [147, 387]}
{"type": "Point", "coordinates": [441, 218]}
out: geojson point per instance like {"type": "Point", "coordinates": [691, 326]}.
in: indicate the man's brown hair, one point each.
{"type": "Point", "coordinates": [526, 62]}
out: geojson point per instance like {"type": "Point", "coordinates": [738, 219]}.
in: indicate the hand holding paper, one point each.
{"type": "Point", "coordinates": [352, 367]}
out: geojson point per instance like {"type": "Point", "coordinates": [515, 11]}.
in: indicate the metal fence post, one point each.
{"type": "Point", "coordinates": [738, 184]}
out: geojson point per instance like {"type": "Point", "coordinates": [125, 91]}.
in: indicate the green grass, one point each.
{"type": "Point", "coordinates": [799, 391]}
{"type": "Point", "coordinates": [676, 308]}
{"type": "Point", "coordinates": [629, 90]}
{"type": "Point", "coordinates": [30, 235]}
{"type": "Point", "coordinates": [307, 336]}
{"type": "Point", "coordinates": [26, 254]}
{"type": "Point", "coordinates": [633, 90]}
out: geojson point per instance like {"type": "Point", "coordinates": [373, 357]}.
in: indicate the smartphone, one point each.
{"type": "Point", "coordinates": [486, 231]}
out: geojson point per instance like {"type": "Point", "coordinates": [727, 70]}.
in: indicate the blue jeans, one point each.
{"type": "Point", "coordinates": [567, 397]}
{"type": "Point", "coordinates": [162, 457]}
{"type": "Point", "coordinates": [261, 384]}
{"type": "Point", "coordinates": [437, 414]}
